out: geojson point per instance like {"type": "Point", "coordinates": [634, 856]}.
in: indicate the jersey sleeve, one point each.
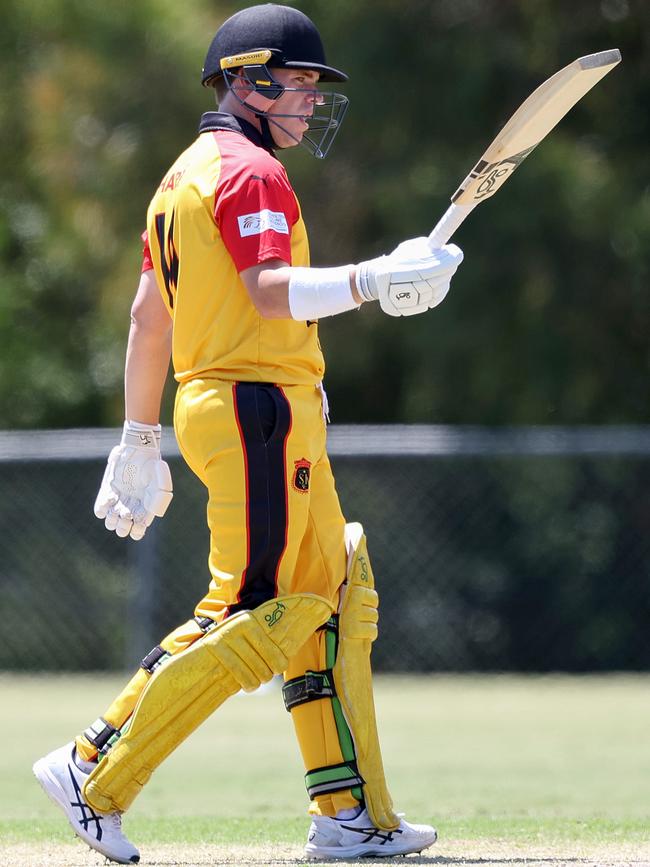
{"type": "Point", "coordinates": [255, 212]}
{"type": "Point", "coordinates": [147, 262]}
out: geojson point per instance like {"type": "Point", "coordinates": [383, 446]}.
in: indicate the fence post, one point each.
{"type": "Point", "coordinates": [142, 598]}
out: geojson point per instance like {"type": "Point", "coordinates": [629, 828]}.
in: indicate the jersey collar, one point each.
{"type": "Point", "coordinates": [212, 121]}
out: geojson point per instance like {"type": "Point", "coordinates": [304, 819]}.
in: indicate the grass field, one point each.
{"type": "Point", "coordinates": [547, 770]}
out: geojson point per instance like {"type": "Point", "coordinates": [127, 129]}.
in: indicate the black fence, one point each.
{"type": "Point", "coordinates": [521, 549]}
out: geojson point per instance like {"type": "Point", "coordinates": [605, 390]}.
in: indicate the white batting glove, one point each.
{"type": "Point", "coordinates": [412, 279]}
{"type": "Point", "coordinates": [137, 484]}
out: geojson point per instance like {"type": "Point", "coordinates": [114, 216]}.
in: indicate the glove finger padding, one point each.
{"type": "Point", "coordinates": [439, 294]}
{"type": "Point", "coordinates": [418, 284]}
{"type": "Point", "coordinates": [124, 525]}
{"type": "Point", "coordinates": [138, 530]}
{"type": "Point", "coordinates": [412, 279]}
{"type": "Point", "coordinates": [104, 503]}
{"type": "Point", "coordinates": [112, 519]}
{"type": "Point", "coordinates": [106, 496]}
{"type": "Point", "coordinates": [137, 484]}
{"type": "Point", "coordinates": [438, 265]}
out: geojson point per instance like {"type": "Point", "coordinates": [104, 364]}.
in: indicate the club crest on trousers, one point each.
{"type": "Point", "coordinates": [301, 475]}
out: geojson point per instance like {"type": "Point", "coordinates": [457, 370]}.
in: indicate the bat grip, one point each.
{"type": "Point", "coordinates": [448, 223]}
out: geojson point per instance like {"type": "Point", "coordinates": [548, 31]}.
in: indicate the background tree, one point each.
{"type": "Point", "coordinates": [548, 320]}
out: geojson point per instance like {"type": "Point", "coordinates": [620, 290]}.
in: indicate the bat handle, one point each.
{"type": "Point", "coordinates": [448, 223]}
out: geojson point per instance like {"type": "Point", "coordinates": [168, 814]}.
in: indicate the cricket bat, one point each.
{"type": "Point", "coordinates": [532, 121]}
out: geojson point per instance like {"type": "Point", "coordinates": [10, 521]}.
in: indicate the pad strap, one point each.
{"type": "Point", "coordinates": [100, 733]}
{"type": "Point", "coordinates": [154, 659]}
{"type": "Point", "coordinates": [332, 778]}
{"type": "Point", "coordinates": [312, 686]}
{"type": "Point", "coordinates": [205, 624]}
{"type": "Point", "coordinates": [331, 625]}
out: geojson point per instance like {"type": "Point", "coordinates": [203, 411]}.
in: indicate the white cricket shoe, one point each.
{"type": "Point", "coordinates": [63, 782]}
{"type": "Point", "coordinates": [358, 838]}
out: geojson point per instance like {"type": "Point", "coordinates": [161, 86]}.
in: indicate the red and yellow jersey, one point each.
{"type": "Point", "coordinates": [225, 205]}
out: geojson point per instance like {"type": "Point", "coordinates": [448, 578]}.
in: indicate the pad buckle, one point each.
{"type": "Point", "coordinates": [313, 685]}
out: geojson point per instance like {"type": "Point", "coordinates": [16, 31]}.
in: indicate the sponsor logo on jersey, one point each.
{"type": "Point", "coordinates": [263, 221]}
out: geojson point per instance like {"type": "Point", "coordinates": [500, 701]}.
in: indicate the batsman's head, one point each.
{"type": "Point", "coordinates": [270, 58]}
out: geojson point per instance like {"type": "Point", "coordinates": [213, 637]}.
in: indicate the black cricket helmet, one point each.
{"type": "Point", "coordinates": [260, 38]}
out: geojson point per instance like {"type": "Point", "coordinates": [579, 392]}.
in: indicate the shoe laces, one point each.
{"type": "Point", "coordinates": [114, 821]}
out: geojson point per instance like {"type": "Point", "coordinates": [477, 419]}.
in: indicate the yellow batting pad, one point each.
{"type": "Point", "coordinates": [353, 676]}
{"type": "Point", "coordinates": [242, 652]}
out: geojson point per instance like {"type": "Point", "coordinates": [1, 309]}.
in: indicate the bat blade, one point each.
{"type": "Point", "coordinates": [531, 123]}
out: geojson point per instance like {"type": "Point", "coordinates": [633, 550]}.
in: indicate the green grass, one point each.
{"type": "Point", "coordinates": [520, 759]}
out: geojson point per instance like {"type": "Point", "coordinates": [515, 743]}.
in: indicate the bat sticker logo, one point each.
{"type": "Point", "coordinates": [493, 174]}
{"type": "Point", "coordinates": [488, 182]}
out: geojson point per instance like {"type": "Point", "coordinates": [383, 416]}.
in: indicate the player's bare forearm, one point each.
{"type": "Point", "coordinates": [147, 362]}
{"type": "Point", "coordinates": [148, 353]}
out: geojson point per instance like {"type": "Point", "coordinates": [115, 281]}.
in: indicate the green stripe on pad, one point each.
{"type": "Point", "coordinates": [345, 738]}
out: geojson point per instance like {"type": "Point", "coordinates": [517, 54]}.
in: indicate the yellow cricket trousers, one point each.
{"type": "Point", "coordinates": [276, 527]}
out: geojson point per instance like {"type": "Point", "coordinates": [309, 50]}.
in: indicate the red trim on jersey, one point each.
{"type": "Point", "coordinates": [147, 261]}
{"type": "Point", "coordinates": [255, 206]}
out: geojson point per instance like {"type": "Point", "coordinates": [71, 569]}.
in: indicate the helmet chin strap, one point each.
{"type": "Point", "coordinates": [267, 136]}
{"type": "Point", "coordinates": [267, 121]}
{"type": "Point", "coordinates": [265, 125]}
